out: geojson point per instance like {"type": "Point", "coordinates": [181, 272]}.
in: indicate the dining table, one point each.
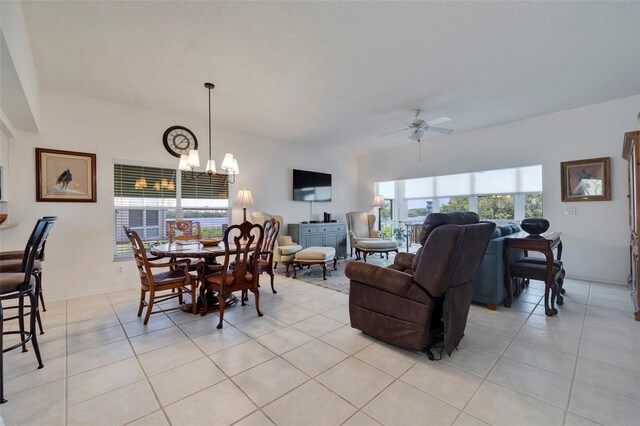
{"type": "Point", "coordinates": [208, 254]}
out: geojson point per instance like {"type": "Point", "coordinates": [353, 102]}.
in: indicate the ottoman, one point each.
{"type": "Point", "coordinates": [315, 256]}
{"type": "Point", "coordinates": [375, 245]}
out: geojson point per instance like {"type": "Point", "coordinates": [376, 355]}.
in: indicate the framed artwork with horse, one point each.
{"type": "Point", "coordinates": [65, 176]}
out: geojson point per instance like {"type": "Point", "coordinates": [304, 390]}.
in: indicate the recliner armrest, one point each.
{"type": "Point", "coordinates": [388, 280]}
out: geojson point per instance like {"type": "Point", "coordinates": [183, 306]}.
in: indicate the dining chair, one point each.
{"type": "Point", "coordinates": [183, 230]}
{"type": "Point", "coordinates": [176, 278]}
{"type": "Point", "coordinates": [265, 257]}
{"type": "Point", "coordinates": [240, 269]}
{"type": "Point", "coordinates": [11, 261]}
{"type": "Point", "coordinates": [17, 286]}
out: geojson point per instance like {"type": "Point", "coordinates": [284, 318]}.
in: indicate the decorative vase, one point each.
{"type": "Point", "coordinates": [535, 225]}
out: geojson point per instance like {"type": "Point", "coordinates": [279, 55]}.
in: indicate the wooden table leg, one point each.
{"type": "Point", "coordinates": [549, 285]}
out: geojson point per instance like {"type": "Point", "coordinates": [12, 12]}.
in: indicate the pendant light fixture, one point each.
{"type": "Point", "coordinates": [191, 161]}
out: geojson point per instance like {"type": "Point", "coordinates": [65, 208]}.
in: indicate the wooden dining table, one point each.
{"type": "Point", "coordinates": [195, 250]}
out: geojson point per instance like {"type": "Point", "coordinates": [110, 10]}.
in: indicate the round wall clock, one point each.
{"type": "Point", "coordinates": [179, 140]}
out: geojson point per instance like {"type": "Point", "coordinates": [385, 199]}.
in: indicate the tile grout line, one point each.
{"type": "Point", "coordinates": [485, 378]}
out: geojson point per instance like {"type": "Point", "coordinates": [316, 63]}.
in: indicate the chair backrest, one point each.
{"type": "Point", "coordinates": [446, 267]}
{"type": "Point", "coordinates": [183, 230]}
{"type": "Point", "coordinates": [262, 217]}
{"type": "Point", "coordinates": [239, 243]}
{"type": "Point", "coordinates": [140, 256]}
{"type": "Point", "coordinates": [271, 230]}
{"type": "Point", "coordinates": [32, 237]}
{"type": "Point", "coordinates": [35, 246]}
{"type": "Point", "coordinates": [360, 224]}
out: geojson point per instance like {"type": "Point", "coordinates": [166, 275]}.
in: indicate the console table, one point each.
{"type": "Point", "coordinates": [321, 235]}
{"type": "Point", "coordinates": [544, 244]}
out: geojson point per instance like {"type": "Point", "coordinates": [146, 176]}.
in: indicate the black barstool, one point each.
{"type": "Point", "coordinates": [18, 285]}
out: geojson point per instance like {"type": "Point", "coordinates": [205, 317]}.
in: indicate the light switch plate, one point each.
{"type": "Point", "coordinates": [570, 210]}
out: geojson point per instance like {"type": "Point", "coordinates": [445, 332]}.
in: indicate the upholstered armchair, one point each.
{"type": "Point", "coordinates": [423, 298]}
{"type": "Point", "coordinates": [285, 248]}
{"type": "Point", "coordinates": [363, 238]}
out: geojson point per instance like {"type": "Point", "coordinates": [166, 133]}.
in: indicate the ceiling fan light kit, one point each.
{"type": "Point", "coordinates": [418, 126]}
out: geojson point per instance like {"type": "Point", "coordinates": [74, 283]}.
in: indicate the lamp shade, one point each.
{"type": "Point", "coordinates": [184, 163]}
{"type": "Point", "coordinates": [194, 159]}
{"type": "Point", "coordinates": [235, 170]}
{"type": "Point", "coordinates": [227, 163]}
{"type": "Point", "coordinates": [244, 198]}
{"type": "Point", "coordinates": [378, 201]}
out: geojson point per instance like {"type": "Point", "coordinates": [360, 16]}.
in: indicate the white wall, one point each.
{"type": "Point", "coordinates": [19, 78]}
{"type": "Point", "coordinates": [595, 240]}
{"type": "Point", "coordinates": [79, 256]}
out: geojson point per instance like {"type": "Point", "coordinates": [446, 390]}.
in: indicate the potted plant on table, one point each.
{"type": "Point", "coordinates": [400, 234]}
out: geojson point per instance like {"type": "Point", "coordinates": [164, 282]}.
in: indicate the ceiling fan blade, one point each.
{"type": "Point", "coordinates": [439, 121]}
{"type": "Point", "coordinates": [440, 130]}
{"type": "Point", "coordinates": [395, 131]}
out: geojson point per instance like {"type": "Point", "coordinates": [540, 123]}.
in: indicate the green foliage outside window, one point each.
{"type": "Point", "coordinates": [456, 205]}
{"type": "Point", "coordinates": [533, 205]}
{"type": "Point", "coordinates": [496, 207]}
{"type": "Point", "coordinates": [417, 212]}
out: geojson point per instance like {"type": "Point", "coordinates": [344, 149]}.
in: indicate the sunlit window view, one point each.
{"type": "Point", "coordinates": [499, 195]}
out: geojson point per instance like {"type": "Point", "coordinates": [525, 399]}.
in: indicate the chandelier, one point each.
{"type": "Point", "coordinates": [191, 161]}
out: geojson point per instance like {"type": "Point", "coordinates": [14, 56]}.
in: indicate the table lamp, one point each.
{"type": "Point", "coordinates": [378, 201]}
{"type": "Point", "coordinates": [244, 199]}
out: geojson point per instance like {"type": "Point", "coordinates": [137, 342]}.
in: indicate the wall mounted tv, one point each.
{"type": "Point", "coordinates": [311, 186]}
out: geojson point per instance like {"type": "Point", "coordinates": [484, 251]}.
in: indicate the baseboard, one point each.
{"type": "Point", "coordinates": [95, 292]}
{"type": "Point", "coordinates": [591, 279]}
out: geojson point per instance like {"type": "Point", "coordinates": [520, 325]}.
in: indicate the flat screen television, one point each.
{"type": "Point", "coordinates": [311, 186]}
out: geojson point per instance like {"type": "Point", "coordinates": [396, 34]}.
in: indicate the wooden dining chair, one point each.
{"type": "Point", "coordinates": [183, 230]}
{"type": "Point", "coordinates": [265, 257]}
{"type": "Point", "coordinates": [240, 269]}
{"type": "Point", "coordinates": [176, 278]}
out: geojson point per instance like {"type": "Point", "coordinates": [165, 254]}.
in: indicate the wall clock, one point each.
{"type": "Point", "coordinates": [179, 140]}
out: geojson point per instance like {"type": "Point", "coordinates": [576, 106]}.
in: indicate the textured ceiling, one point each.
{"type": "Point", "coordinates": [341, 73]}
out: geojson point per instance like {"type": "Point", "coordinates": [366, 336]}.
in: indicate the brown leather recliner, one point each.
{"type": "Point", "coordinates": [421, 296]}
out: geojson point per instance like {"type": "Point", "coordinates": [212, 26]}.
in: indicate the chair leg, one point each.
{"type": "Point", "coordinates": [39, 292]}
{"type": "Point", "coordinates": [203, 298]}
{"type": "Point", "coordinates": [243, 297]}
{"type": "Point", "coordinates": [2, 400]}
{"type": "Point", "coordinates": [275, 265]}
{"type": "Point", "coordinates": [40, 295]}
{"type": "Point", "coordinates": [194, 301]}
{"type": "Point", "coordinates": [179, 295]}
{"type": "Point", "coordinates": [142, 296]}
{"type": "Point", "coordinates": [256, 294]}
{"type": "Point", "coordinates": [273, 289]}
{"type": "Point", "coordinates": [221, 300]}
{"type": "Point", "coordinates": [33, 301]}
{"type": "Point", "coordinates": [21, 322]}
{"type": "Point", "coordinates": [152, 297]}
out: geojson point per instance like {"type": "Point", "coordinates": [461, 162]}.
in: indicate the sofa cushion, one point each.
{"type": "Point", "coordinates": [289, 249]}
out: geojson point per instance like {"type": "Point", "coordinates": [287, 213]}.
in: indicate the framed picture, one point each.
{"type": "Point", "coordinates": [65, 176]}
{"type": "Point", "coordinates": [586, 180]}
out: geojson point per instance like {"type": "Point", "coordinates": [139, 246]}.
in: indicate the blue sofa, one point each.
{"type": "Point", "coordinates": [489, 286]}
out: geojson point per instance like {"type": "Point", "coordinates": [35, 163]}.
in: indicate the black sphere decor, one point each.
{"type": "Point", "coordinates": [534, 225]}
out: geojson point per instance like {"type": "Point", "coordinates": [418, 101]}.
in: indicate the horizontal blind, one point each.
{"type": "Point", "coordinates": [205, 187]}
{"type": "Point", "coordinates": [144, 200]}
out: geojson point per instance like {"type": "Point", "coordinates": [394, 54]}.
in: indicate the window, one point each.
{"type": "Point", "coordinates": [506, 194]}
{"type": "Point", "coordinates": [419, 209]}
{"type": "Point", "coordinates": [455, 204]}
{"type": "Point", "coordinates": [533, 205]}
{"type": "Point", "coordinates": [146, 198]}
{"type": "Point", "coordinates": [497, 206]}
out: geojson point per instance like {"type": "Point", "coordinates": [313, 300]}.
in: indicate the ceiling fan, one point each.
{"type": "Point", "coordinates": [418, 126]}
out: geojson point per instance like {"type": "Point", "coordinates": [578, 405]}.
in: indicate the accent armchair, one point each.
{"type": "Point", "coordinates": [364, 238]}
{"type": "Point", "coordinates": [423, 298]}
{"type": "Point", "coordinates": [285, 248]}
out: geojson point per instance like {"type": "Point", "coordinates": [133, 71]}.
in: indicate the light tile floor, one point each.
{"type": "Point", "coordinates": [302, 364]}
